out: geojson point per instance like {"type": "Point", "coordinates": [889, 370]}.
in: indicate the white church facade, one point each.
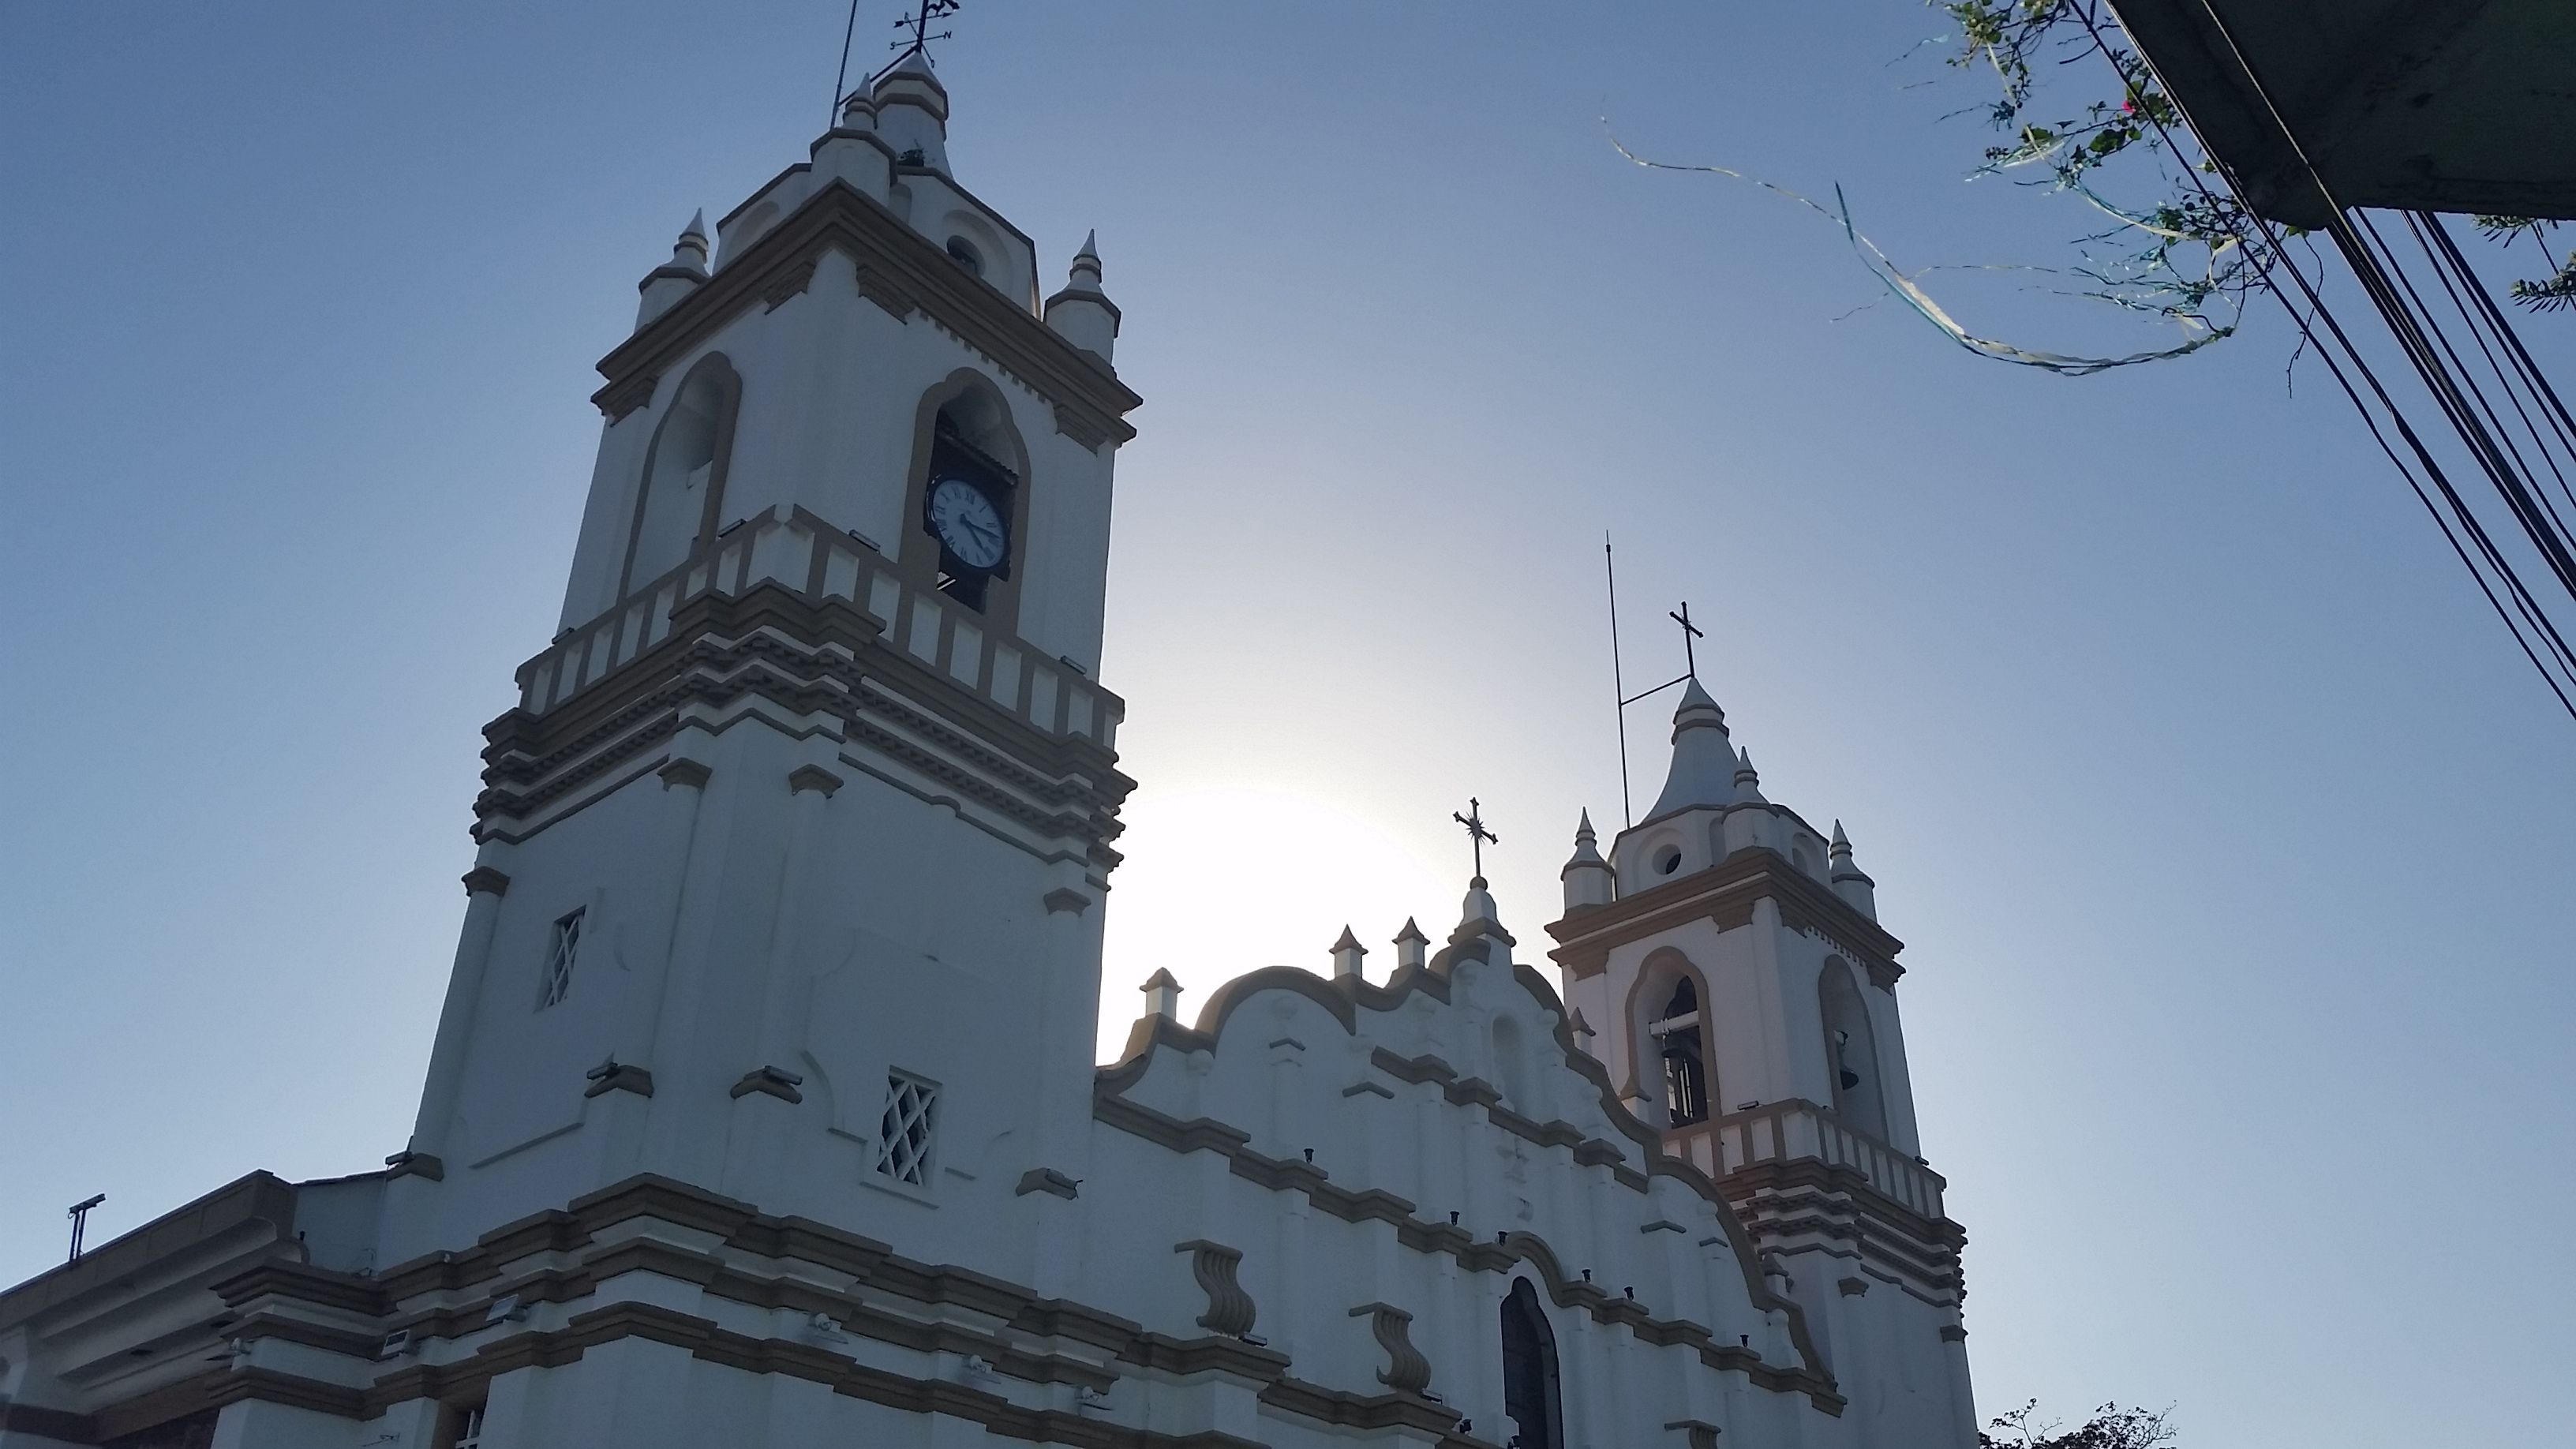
{"type": "Point", "coordinates": [763, 1109]}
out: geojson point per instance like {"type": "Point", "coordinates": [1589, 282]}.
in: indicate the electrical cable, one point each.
{"type": "Point", "coordinates": [2495, 422]}
{"type": "Point", "coordinates": [2264, 260]}
{"type": "Point", "coordinates": [2529, 370]}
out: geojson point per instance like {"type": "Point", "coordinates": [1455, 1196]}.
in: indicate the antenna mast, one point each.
{"type": "Point", "coordinates": [1618, 681]}
{"type": "Point", "coordinates": [1618, 684]}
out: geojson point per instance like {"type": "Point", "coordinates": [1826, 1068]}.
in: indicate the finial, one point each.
{"type": "Point", "coordinates": [1586, 844]}
{"type": "Point", "coordinates": [1346, 956]}
{"type": "Point", "coordinates": [1162, 994]}
{"type": "Point", "coordinates": [691, 249]}
{"type": "Point", "coordinates": [1084, 275]}
{"type": "Point", "coordinates": [1748, 781]}
{"type": "Point", "coordinates": [1849, 880]}
{"type": "Point", "coordinates": [1587, 877]}
{"type": "Point", "coordinates": [1409, 944]}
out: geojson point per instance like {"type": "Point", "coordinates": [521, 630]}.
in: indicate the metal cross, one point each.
{"type": "Point", "coordinates": [1690, 631]}
{"type": "Point", "coordinates": [1478, 836]}
{"type": "Point", "coordinates": [919, 24]}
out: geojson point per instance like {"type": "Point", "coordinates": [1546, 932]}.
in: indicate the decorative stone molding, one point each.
{"type": "Point", "coordinates": [900, 270]}
{"type": "Point", "coordinates": [1083, 428]}
{"type": "Point", "coordinates": [613, 1075]}
{"type": "Point", "coordinates": [1953, 1333]}
{"type": "Point", "coordinates": [691, 773]}
{"type": "Point", "coordinates": [772, 1081]}
{"type": "Point", "coordinates": [1062, 899]}
{"type": "Point", "coordinates": [1155, 1035]}
{"type": "Point", "coordinates": [1047, 1179]}
{"type": "Point", "coordinates": [1725, 893]}
{"type": "Point", "coordinates": [1852, 1287]}
{"type": "Point", "coordinates": [483, 879]}
{"type": "Point", "coordinates": [810, 656]}
{"type": "Point", "coordinates": [1406, 1371]}
{"type": "Point", "coordinates": [1703, 1434]}
{"type": "Point", "coordinates": [408, 1163]}
{"type": "Point", "coordinates": [816, 778]}
{"type": "Point", "coordinates": [881, 288]}
{"type": "Point", "coordinates": [626, 395]}
{"type": "Point", "coordinates": [788, 284]}
{"type": "Point", "coordinates": [1229, 1309]}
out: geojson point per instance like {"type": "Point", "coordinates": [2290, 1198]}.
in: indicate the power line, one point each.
{"type": "Point", "coordinates": [2534, 632]}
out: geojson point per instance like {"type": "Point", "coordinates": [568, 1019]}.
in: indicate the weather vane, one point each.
{"type": "Point", "coordinates": [1478, 836]}
{"type": "Point", "coordinates": [919, 24]}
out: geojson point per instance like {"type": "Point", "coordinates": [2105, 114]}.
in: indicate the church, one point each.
{"type": "Point", "coordinates": [763, 1109]}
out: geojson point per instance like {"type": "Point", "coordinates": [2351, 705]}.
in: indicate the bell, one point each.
{"type": "Point", "coordinates": [1850, 1078]}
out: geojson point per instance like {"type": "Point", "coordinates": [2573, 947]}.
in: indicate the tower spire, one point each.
{"type": "Point", "coordinates": [1704, 762]}
{"type": "Point", "coordinates": [665, 285]}
{"type": "Point", "coordinates": [1082, 314]}
{"type": "Point", "coordinates": [1588, 878]}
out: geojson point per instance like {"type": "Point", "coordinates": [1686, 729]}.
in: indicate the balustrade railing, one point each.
{"type": "Point", "coordinates": [793, 548]}
{"type": "Point", "coordinates": [1794, 1129]}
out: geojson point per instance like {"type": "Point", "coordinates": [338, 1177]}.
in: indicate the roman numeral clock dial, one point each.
{"type": "Point", "coordinates": [968, 524]}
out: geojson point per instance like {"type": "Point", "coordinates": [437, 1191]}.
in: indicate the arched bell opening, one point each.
{"type": "Point", "coordinates": [1851, 1050]}
{"type": "Point", "coordinates": [682, 488]}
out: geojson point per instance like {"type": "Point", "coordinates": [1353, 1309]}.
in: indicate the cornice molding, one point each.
{"type": "Point", "coordinates": [812, 657]}
{"type": "Point", "coordinates": [1725, 893]}
{"type": "Point", "coordinates": [900, 270]}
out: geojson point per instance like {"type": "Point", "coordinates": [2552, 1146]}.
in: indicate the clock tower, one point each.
{"type": "Point", "coordinates": [792, 851]}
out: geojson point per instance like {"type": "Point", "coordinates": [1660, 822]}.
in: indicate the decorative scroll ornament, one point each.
{"type": "Point", "coordinates": [1229, 1309]}
{"type": "Point", "coordinates": [1406, 1371]}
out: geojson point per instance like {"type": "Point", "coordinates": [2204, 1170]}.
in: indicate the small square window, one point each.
{"type": "Point", "coordinates": [903, 1138]}
{"type": "Point", "coordinates": [560, 956]}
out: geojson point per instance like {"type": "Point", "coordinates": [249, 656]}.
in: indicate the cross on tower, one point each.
{"type": "Point", "coordinates": [1690, 631]}
{"type": "Point", "coordinates": [919, 24]}
{"type": "Point", "coordinates": [1478, 837]}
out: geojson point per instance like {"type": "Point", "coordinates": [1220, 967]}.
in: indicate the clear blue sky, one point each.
{"type": "Point", "coordinates": [2219, 817]}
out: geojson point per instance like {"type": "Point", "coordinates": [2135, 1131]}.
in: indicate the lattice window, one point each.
{"type": "Point", "coordinates": [559, 960]}
{"type": "Point", "coordinates": [904, 1137]}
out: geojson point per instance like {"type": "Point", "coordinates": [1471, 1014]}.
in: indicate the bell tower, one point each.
{"type": "Point", "coordinates": [1727, 967]}
{"type": "Point", "coordinates": [792, 851]}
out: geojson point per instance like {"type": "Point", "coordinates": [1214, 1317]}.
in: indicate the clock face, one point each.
{"type": "Point", "coordinates": [968, 524]}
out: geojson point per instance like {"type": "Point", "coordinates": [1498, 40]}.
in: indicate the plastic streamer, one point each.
{"type": "Point", "coordinates": [1901, 285]}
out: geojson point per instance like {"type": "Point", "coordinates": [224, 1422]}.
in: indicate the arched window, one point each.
{"type": "Point", "coordinates": [684, 474]}
{"type": "Point", "coordinates": [1851, 1050]}
{"type": "Point", "coordinates": [1678, 1035]}
{"type": "Point", "coordinates": [970, 501]}
{"type": "Point", "coordinates": [1529, 1372]}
